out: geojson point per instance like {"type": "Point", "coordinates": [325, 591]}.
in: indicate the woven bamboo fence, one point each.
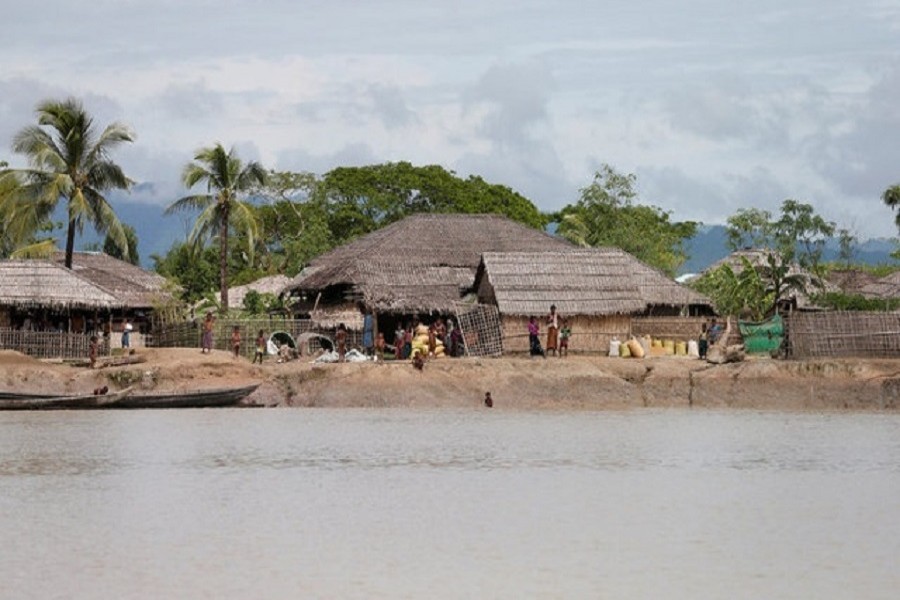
{"type": "Point", "coordinates": [187, 334]}
{"type": "Point", "coordinates": [51, 344]}
{"type": "Point", "coordinates": [843, 334]}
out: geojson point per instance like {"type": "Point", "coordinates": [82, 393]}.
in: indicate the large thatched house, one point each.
{"type": "Point", "coordinates": [598, 290]}
{"type": "Point", "coordinates": [99, 293]}
{"type": "Point", "coordinates": [421, 265]}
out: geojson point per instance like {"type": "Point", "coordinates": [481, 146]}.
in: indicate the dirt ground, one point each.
{"type": "Point", "coordinates": [576, 382]}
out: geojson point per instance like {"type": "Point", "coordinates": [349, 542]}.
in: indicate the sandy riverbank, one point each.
{"type": "Point", "coordinates": [577, 382]}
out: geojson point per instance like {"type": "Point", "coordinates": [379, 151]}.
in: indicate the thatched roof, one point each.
{"type": "Point", "coordinates": [582, 281]}
{"type": "Point", "coordinates": [414, 264]}
{"type": "Point", "coordinates": [427, 240]}
{"type": "Point", "coordinates": [46, 284]}
{"type": "Point", "coordinates": [273, 284]}
{"type": "Point", "coordinates": [758, 258]}
{"type": "Point", "coordinates": [401, 287]}
{"type": "Point", "coordinates": [131, 285]}
{"type": "Point", "coordinates": [851, 281]}
{"type": "Point", "coordinates": [884, 288]}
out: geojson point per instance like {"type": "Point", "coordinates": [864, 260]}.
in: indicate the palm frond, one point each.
{"type": "Point", "coordinates": [195, 202]}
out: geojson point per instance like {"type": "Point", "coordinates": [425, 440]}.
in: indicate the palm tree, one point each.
{"type": "Point", "coordinates": [891, 197]}
{"type": "Point", "coordinates": [68, 161]}
{"type": "Point", "coordinates": [226, 178]}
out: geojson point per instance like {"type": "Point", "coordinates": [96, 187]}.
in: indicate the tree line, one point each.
{"type": "Point", "coordinates": [250, 221]}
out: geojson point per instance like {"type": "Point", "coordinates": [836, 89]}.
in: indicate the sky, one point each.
{"type": "Point", "coordinates": [714, 106]}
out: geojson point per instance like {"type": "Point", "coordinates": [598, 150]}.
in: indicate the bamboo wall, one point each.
{"type": "Point", "coordinates": [590, 334]}
{"type": "Point", "coordinates": [843, 334]}
{"type": "Point", "coordinates": [50, 344]}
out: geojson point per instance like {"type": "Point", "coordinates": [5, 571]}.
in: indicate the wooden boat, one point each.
{"type": "Point", "coordinates": [207, 398]}
{"type": "Point", "coordinates": [37, 402]}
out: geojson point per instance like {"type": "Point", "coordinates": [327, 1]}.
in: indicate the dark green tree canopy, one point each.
{"type": "Point", "coordinates": [360, 200]}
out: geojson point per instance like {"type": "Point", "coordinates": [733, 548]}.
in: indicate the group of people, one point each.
{"type": "Point", "coordinates": [441, 331]}
{"type": "Point", "coordinates": [709, 335]}
{"type": "Point", "coordinates": [558, 334]}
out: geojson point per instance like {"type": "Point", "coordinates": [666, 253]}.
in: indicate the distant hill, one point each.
{"type": "Point", "coordinates": [710, 245]}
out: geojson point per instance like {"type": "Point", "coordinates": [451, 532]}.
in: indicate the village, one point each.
{"type": "Point", "coordinates": [485, 276]}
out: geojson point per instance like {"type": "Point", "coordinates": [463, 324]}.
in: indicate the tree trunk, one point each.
{"type": "Point", "coordinates": [70, 242]}
{"type": "Point", "coordinates": [223, 259]}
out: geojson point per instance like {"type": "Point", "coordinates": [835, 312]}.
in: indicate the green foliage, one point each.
{"type": "Point", "coordinates": [745, 294]}
{"type": "Point", "coordinates": [131, 254]}
{"type": "Point", "coordinates": [606, 215]}
{"type": "Point", "coordinates": [193, 268]}
{"type": "Point", "coordinates": [253, 303]}
{"type": "Point", "coordinates": [256, 303]}
{"type": "Point", "coordinates": [359, 200]}
{"type": "Point", "coordinates": [841, 301]}
{"type": "Point", "coordinates": [68, 160]}
{"type": "Point", "coordinates": [891, 197]}
{"type": "Point", "coordinates": [294, 224]}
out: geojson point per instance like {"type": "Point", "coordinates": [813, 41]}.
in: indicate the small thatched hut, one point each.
{"type": "Point", "coordinates": [597, 289]}
{"type": "Point", "coordinates": [420, 265]}
{"type": "Point", "coordinates": [272, 284]}
{"type": "Point", "coordinates": [851, 281]}
{"type": "Point", "coordinates": [886, 288]}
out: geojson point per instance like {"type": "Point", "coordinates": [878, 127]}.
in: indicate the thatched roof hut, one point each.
{"type": "Point", "coordinates": [583, 281]}
{"type": "Point", "coordinates": [419, 264]}
{"type": "Point", "coordinates": [46, 284]}
{"type": "Point", "coordinates": [883, 289]}
{"type": "Point", "coordinates": [758, 257]}
{"type": "Point", "coordinates": [132, 286]}
{"type": "Point", "coordinates": [272, 284]}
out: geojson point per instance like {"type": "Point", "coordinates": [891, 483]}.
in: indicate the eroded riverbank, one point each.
{"type": "Point", "coordinates": [577, 382]}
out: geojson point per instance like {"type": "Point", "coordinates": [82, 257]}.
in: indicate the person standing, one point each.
{"type": "Point", "coordinates": [92, 351]}
{"type": "Point", "coordinates": [534, 338]}
{"type": "Point", "coordinates": [703, 341]}
{"type": "Point", "coordinates": [126, 335]}
{"type": "Point", "coordinates": [340, 339]}
{"type": "Point", "coordinates": [260, 347]}
{"type": "Point", "coordinates": [552, 330]}
{"type": "Point", "coordinates": [236, 341]}
{"type": "Point", "coordinates": [206, 342]}
{"type": "Point", "coordinates": [564, 334]}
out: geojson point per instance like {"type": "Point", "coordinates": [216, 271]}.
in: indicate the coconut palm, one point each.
{"type": "Point", "coordinates": [68, 161]}
{"type": "Point", "coordinates": [226, 178]}
{"type": "Point", "coordinates": [891, 197]}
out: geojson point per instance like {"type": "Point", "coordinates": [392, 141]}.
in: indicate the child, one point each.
{"type": "Point", "coordinates": [379, 347]}
{"type": "Point", "coordinates": [92, 351]}
{"type": "Point", "coordinates": [260, 347]}
{"type": "Point", "coordinates": [236, 341]}
{"type": "Point", "coordinates": [340, 339]}
{"type": "Point", "coordinates": [564, 335]}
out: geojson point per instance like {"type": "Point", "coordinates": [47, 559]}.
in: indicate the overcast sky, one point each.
{"type": "Point", "coordinates": [713, 105]}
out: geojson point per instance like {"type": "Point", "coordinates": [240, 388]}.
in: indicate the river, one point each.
{"type": "Point", "coordinates": [356, 503]}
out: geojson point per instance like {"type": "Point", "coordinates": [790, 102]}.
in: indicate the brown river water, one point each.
{"type": "Point", "coordinates": [397, 503]}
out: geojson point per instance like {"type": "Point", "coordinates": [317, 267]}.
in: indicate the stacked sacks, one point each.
{"type": "Point", "coordinates": [420, 343]}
